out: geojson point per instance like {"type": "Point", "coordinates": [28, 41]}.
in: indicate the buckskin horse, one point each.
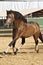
{"type": "Point", "coordinates": [22, 29]}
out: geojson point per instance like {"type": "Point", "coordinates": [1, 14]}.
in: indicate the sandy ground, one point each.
{"type": "Point", "coordinates": [25, 56]}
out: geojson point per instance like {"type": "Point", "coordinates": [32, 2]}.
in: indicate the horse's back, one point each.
{"type": "Point", "coordinates": [35, 25]}
{"type": "Point", "coordinates": [30, 29]}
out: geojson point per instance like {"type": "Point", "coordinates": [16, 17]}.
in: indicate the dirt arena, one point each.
{"type": "Point", "coordinates": [26, 55]}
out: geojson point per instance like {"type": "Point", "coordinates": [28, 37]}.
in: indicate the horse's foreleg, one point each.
{"type": "Point", "coordinates": [10, 45]}
{"type": "Point", "coordinates": [22, 43]}
{"type": "Point", "coordinates": [15, 49]}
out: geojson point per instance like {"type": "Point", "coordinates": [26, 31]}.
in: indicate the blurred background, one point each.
{"type": "Point", "coordinates": [23, 0]}
{"type": "Point", "coordinates": [32, 10]}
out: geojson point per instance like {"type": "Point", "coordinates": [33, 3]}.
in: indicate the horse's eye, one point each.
{"type": "Point", "coordinates": [9, 17]}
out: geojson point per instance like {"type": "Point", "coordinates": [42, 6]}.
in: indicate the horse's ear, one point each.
{"type": "Point", "coordinates": [8, 12]}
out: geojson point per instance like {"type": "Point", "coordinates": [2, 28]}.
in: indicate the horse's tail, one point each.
{"type": "Point", "coordinates": [41, 37]}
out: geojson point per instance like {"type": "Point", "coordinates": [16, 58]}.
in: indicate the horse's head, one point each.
{"type": "Point", "coordinates": [10, 18]}
{"type": "Point", "coordinates": [14, 16]}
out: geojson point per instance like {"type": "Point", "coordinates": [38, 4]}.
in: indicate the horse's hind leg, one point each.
{"type": "Point", "coordinates": [36, 42]}
{"type": "Point", "coordinates": [36, 46]}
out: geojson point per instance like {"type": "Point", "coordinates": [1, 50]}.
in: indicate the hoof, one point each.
{"type": "Point", "coordinates": [37, 51]}
{"type": "Point", "coordinates": [4, 53]}
{"type": "Point", "coordinates": [16, 51]}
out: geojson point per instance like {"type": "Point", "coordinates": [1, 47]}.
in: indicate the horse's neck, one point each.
{"type": "Point", "coordinates": [18, 23]}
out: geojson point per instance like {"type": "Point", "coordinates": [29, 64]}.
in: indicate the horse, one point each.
{"type": "Point", "coordinates": [22, 29]}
